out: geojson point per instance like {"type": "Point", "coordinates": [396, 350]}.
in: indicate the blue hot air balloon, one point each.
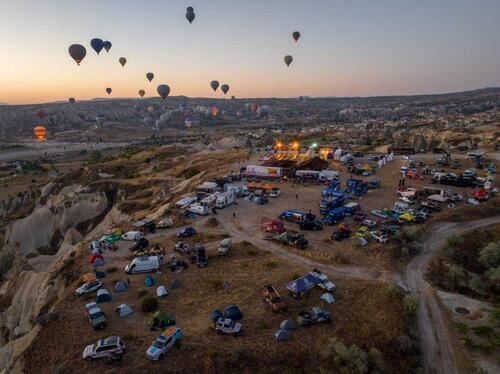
{"type": "Point", "coordinates": [97, 45]}
{"type": "Point", "coordinates": [107, 45]}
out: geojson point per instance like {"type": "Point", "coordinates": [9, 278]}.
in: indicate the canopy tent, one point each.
{"type": "Point", "coordinates": [161, 291]}
{"type": "Point", "coordinates": [288, 324]}
{"type": "Point", "coordinates": [149, 281]}
{"type": "Point", "coordinates": [328, 298]}
{"type": "Point", "coordinates": [302, 284]}
{"type": "Point", "coordinates": [282, 335]}
{"type": "Point", "coordinates": [89, 278]}
{"type": "Point", "coordinates": [120, 287]}
{"type": "Point", "coordinates": [124, 310]}
{"type": "Point", "coordinates": [99, 262]}
{"type": "Point", "coordinates": [103, 296]}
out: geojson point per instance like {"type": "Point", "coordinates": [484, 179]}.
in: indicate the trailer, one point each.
{"type": "Point", "coordinates": [333, 216]}
{"type": "Point", "coordinates": [225, 199]}
{"type": "Point", "coordinates": [198, 209]}
{"type": "Point", "coordinates": [357, 187]}
{"type": "Point", "coordinates": [330, 202]}
{"type": "Point", "coordinates": [296, 216]}
{"type": "Point", "coordinates": [272, 225]}
{"type": "Point", "coordinates": [307, 174]}
{"type": "Point", "coordinates": [329, 175]}
{"type": "Point", "coordinates": [263, 171]}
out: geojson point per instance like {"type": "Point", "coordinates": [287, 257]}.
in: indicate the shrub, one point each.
{"type": "Point", "coordinates": [477, 285]}
{"type": "Point", "coordinates": [456, 277]}
{"type": "Point", "coordinates": [111, 269]}
{"type": "Point", "coordinates": [212, 221]}
{"type": "Point", "coordinates": [454, 240]}
{"type": "Point", "coordinates": [142, 293]}
{"type": "Point", "coordinates": [409, 241]}
{"type": "Point", "coordinates": [393, 291]}
{"type": "Point", "coordinates": [271, 264]}
{"type": "Point", "coordinates": [149, 304]}
{"type": "Point", "coordinates": [411, 304]}
{"type": "Point", "coordinates": [345, 359]}
{"type": "Point", "coordinates": [489, 257]}
{"type": "Point", "coordinates": [95, 155]}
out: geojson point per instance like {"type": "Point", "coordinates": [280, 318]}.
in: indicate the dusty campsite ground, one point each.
{"type": "Point", "coordinates": [364, 314]}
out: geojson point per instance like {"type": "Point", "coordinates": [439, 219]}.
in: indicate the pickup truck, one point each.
{"type": "Point", "coordinates": [228, 326]}
{"type": "Point", "coordinates": [316, 315]}
{"type": "Point", "coordinates": [96, 316]}
{"type": "Point", "coordinates": [273, 298]}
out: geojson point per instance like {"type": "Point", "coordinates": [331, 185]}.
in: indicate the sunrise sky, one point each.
{"type": "Point", "coordinates": [347, 48]}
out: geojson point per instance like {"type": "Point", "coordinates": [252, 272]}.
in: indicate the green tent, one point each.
{"type": "Point", "coordinates": [161, 320]}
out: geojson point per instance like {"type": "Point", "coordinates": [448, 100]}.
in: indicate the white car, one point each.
{"type": "Point", "coordinates": [88, 288]}
{"type": "Point", "coordinates": [369, 223]}
{"type": "Point", "coordinates": [473, 201]}
{"type": "Point", "coordinates": [111, 348]}
{"type": "Point", "coordinates": [275, 193]}
{"type": "Point", "coordinates": [379, 237]}
{"type": "Point", "coordinates": [227, 326]}
{"type": "Point", "coordinates": [133, 235]}
{"type": "Point", "coordinates": [225, 246]}
{"type": "Point", "coordinates": [169, 338]}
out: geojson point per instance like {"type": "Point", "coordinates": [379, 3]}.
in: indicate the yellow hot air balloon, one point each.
{"type": "Point", "coordinates": [142, 93]}
{"type": "Point", "coordinates": [40, 133]}
{"type": "Point", "coordinates": [122, 60]}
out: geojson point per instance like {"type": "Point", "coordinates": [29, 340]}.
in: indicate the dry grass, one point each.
{"type": "Point", "coordinates": [363, 315]}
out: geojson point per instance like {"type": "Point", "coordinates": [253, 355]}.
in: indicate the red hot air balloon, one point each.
{"type": "Point", "coordinates": [214, 110]}
{"type": "Point", "coordinates": [255, 107]}
{"type": "Point", "coordinates": [296, 36]}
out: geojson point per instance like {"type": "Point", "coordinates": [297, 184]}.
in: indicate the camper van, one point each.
{"type": "Point", "coordinates": [143, 265]}
{"type": "Point", "coordinates": [133, 235]}
{"type": "Point", "coordinates": [198, 209]}
{"type": "Point", "coordinates": [225, 199]}
{"type": "Point", "coordinates": [224, 246]}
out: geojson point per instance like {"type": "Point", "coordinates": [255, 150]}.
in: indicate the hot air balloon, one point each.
{"type": "Point", "coordinates": [188, 122]}
{"type": "Point", "coordinates": [190, 14]}
{"type": "Point", "coordinates": [214, 85]}
{"type": "Point", "coordinates": [40, 114]}
{"type": "Point", "coordinates": [255, 107]}
{"type": "Point", "coordinates": [100, 118]}
{"type": "Point", "coordinates": [40, 133]}
{"type": "Point", "coordinates": [263, 111]}
{"type": "Point", "coordinates": [122, 61]}
{"type": "Point", "coordinates": [151, 109]}
{"type": "Point", "coordinates": [142, 93]}
{"type": "Point", "coordinates": [148, 121]}
{"type": "Point", "coordinates": [224, 88]}
{"type": "Point", "coordinates": [248, 106]}
{"type": "Point", "coordinates": [71, 100]}
{"type": "Point", "coordinates": [163, 91]}
{"type": "Point", "coordinates": [97, 44]}
{"type": "Point", "coordinates": [137, 108]}
{"type": "Point", "coordinates": [296, 35]}
{"type": "Point", "coordinates": [150, 76]}
{"type": "Point", "coordinates": [109, 90]}
{"type": "Point", "coordinates": [77, 52]}
{"type": "Point", "coordinates": [214, 111]}
{"type": "Point", "coordinates": [288, 60]}
{"type": "Point", "coordinates": [107, 45]}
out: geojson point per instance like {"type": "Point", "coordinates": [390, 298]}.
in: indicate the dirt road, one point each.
{"type": "Point", "coordinates": [437, 351]}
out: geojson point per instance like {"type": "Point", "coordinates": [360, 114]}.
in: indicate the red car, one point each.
{"type": "Point", "coordinates": [359, 216]}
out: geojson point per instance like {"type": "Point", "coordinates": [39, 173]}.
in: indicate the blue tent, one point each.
{"type": "Point", "coordinates": [216, 314]}
{"type": "Point", "coordinates": [233, 312]}
{"type": "Point", "coordinates": [100, 274]}
{"type": "Point", "coordinates": [149, 281]}
{"type": "Point", "coordinates": [120, 287]}
{"type": "Point", "coordinates": [302, 284]}
{"type": "Point", "coordinates": [175, 284]}
{"type": "Point", "coordinates": [99, 262]}
{"type": "Point", "coordinates": [103, 296]}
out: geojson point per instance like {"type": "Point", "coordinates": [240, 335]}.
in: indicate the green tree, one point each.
{"type": "Point", "coordinates": [456, 277]}
{"type": "Point", "coordinates": [149, 304]}
{"type": "Point", "coordinates": [95, 155]}
{"type": "Point", "coordinates": [477, 285]}
{"type": "Point", "coordinates": [489, 257]}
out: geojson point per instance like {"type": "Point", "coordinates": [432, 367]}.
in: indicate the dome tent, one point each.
{"type": "Point", "coordinates": [233, 312]}
{"type": "Point", "coordinates": [288, 324]}
{"type": "Point", "coordinates": [161, 291]}
{"type": "Point", "coordinates": [124, 310]}
{"type": "Point", "coordinates": [149, 281]}
{"type": "Point", "coordinates": [175, 284]}
{"type": "Point", "coordinates": [103, 296]}
{"type": "Point", "coordinates": [120, 287]}
{"type": "Point", "coordinates": [282, 335]}
{"type": "Point", "coordinates": [215, 315]}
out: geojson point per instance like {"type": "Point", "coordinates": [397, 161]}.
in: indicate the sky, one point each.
{"type": "Point", "coordinates": [347, 48]}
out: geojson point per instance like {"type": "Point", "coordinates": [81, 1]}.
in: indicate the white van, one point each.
{"type": "Point", "coordinates": [198, 209]}
{"type": "Point", "coordinates": [143, 265]}
{"type": "Point", "coordinates": [225, 246]}
{"type": "Point", "coordinates": [133, 235]}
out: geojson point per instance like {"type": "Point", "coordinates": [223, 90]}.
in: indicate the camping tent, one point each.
{"type": "Point", "coordinates": [287, 324]}
{"type": "Point", "coordinates": [161, 320]}
{"type": "Point", "coordinates": [98, 262]}
{"type": "Point", "coordinates": [103, 296]}
{"type": "Point", "coordinates": [161, 291]}
{"type": "Point", "coordinates": [149, 281]}
{"type": "Point", "coordinates": [124, 310]}
{"type": "Point", "coordinates": [215, 315]}
{"type": "Point", "coordinates": [233, 312]}
{"type": "Point", "coordinates": [120, 286]}
{"type": "Point", "coordinates": [302, 284]}
{"type": "Point", "coordinates": [282, 335]}
{"type": "Point", "coordinates": [94, 257]}
{"type": "Point", "coordinates": [175, 284]}
{"type": "Point", "coordinates": [100, 274]}
{"type": "Point", "coordinates": [328, 298]}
